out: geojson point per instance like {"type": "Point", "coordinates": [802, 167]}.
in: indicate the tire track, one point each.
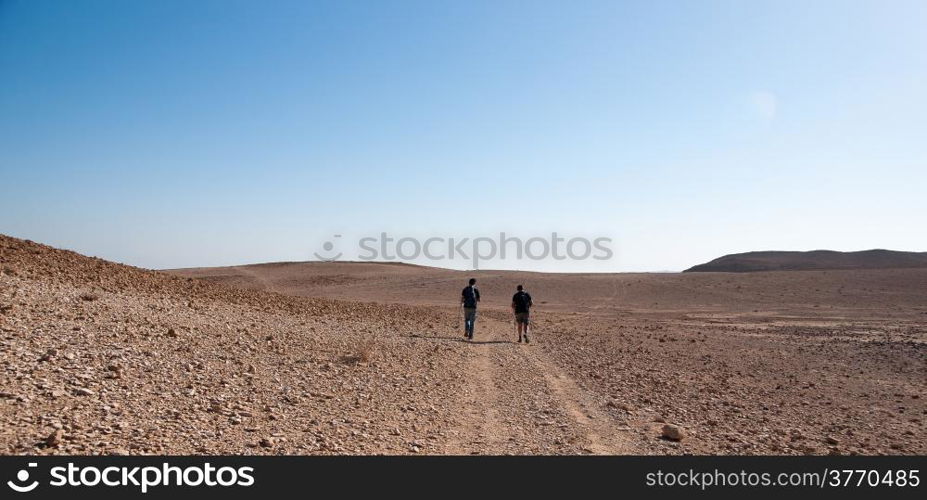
{"type": "Point", "coordinates": [519, 402]}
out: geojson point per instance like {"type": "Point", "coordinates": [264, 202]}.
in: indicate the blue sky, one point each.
{"type": "Point", "coordinates": [173, 134]}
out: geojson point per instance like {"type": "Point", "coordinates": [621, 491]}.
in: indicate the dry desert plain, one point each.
{"type": "Point", "coordinates": [367, 358]}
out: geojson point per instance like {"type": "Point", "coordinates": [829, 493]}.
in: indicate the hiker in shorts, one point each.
{"type": "Point", "coordinates": [521, 305]}
{"type": "Point", "coordinates": [468, 300]}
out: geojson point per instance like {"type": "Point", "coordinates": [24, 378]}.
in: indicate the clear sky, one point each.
{"type": "Point", "coordinates": [176, 133]}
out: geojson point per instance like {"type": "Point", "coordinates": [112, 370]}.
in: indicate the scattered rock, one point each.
{"type": "Point", "coordinates": [619, 405]}
{"type": "Point", "coordinates": [54, 439]}
{"type": "Point", "coordinates": [674, 432]}
{"type": "Point", "coordinates": [49, 355]}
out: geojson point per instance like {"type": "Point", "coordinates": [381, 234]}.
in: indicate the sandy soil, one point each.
{"type": "Point", "coordinates": [337, 358]}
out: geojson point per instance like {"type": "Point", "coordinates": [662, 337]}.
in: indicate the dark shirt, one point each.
{"type": "Point", "coordinates": [522, 301]}
{"type": "Point", "coordinates": [470, 296]}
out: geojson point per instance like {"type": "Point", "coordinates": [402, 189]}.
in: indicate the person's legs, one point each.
{"type": "Point", "coordinates": [521, 320]}
{"type": "Point", "coordinates": [469, 321]}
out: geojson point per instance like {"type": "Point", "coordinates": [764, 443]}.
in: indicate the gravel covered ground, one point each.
{"type": "Point", "coordinates": [100, 358]}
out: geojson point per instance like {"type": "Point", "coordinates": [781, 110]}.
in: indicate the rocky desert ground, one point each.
{"type": "Point", "coordinates": [363, 358]}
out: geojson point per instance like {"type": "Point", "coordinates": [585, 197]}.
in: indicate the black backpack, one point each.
{"type": "Point", "coordinates": [522, 301]}
{"type": "Point", "coordinates": [469, 295]}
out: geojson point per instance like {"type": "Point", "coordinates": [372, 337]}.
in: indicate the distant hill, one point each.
{"type": "Point", "coordinates": [814, 260]}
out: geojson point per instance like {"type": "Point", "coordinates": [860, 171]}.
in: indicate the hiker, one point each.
{"type": "Point", "coordinates": [468, 300]}
{"type": "Point", "coordinates": [521, 305]}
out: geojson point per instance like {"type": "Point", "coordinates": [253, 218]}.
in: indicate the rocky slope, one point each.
{"type": "Point", "coordinates": [100, 358]}
{"type": "Point", "coordinates": [104, 358]}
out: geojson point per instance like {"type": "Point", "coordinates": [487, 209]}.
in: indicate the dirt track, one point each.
{"type": "Point", "coordinates": [516, 400]}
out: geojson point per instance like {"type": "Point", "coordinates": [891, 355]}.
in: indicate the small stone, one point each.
{"type": "Point", "coordinates": [54, 439]}
{"type": "Point", "coordinates": [618, 405]}
{"type": "Point", "coordinates": [674, 432]}
{"type": "Point", "coordinates": [83, 391]}
{"type": "Point", "coordinates": [266, 443]}
{"type": "Point", "coordinates": [171, 333]}
{"type": "Point", "coordinates": [832, 440]}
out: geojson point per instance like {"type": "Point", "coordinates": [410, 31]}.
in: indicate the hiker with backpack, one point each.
{"type": "Point", "coordinates": [468, 300]}
{"type": "Point", "coordinates": [521, 305]}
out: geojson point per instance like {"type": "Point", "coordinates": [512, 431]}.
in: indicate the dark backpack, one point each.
{"type": "Point", "coordinates": [522, 301]}
{"type": "Point", "coordinates": [469, 295]}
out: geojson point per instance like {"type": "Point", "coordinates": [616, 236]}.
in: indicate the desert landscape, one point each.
{"type": "Point", "coordinates": [369, 358]}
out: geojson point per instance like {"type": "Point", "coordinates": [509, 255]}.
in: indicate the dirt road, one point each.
{"type": "Point", "coordinates": [516, 401]}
